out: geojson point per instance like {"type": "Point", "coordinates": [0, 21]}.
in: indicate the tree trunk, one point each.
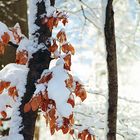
{"type": "Point", "coordinates": [37, 64]}
{"type": "Point", "coordinates": [112, 71]}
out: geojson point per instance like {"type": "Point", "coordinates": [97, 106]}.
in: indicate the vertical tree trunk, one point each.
{"type": "Point", "coordinates": [112, 71]}
{"type": "Point", "coordinates": [37, 64]}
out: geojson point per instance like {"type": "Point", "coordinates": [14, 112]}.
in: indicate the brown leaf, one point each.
{"type": "Point", "coordinates": [52, 113]}
{"type": "Point", "coordinates": [82, 94]}
{"type": "Point", "coordinates": [50, 23]}
{"type": "Point", "coordinates": [6, 84]}
{"type": "Point", "coordinates": [1, 48]}
{"type": "Point", "coordinates": [64, 21]}
{"type": "Point", "coordinates": [67, 60]}
{"type": "Point", "coordinates": [71, 49]}
{"type": "Point", "coordinates": [89, 137]}
{"type": "Point", "coordinates": [27, 107]}
{"type": "Point", "coordinates": [71, 132]}
{"type": "Point", "coordinates": [56, 21]}
{"type": "Point", "coordinates": [3, 85]}
{"type": "Point", "coordinates": [1, 124]}
{"type": "Point", "coordinates": [80, 91]}
{"type": "Point", "coordinates": [22, 57]}
{"type": "Point", "coordinates": [52, 126]}
{"type": "Point", "coordinates": [65, 129]}
{"type": "Point", "coordinates": [12, 91]}
{"type": "Point", "coordinates": [71, 101]}
{"type": "Point", "coordinates": [61, 36]}
{"type": "Point", "coordinates": [1, 88]}
{"type": "Point", "coordinates": [16, 33]}
{"type": "Point", "coordinates": [34, 104]}
{"type": "Point", "coordinates": [5, 38]}
{"type": "Point", "coordinates": [54, 47]}
{"type": "Point", "coordinates": [44, 105]}
{"type": "Point", "coordinates": [45, 78]}
{"type": "Point", "coordinates": [4, 114]}
{"type": "Point", "coordinates": [68, 48]}
{"type": "Point", "coordinates": [69, 82]}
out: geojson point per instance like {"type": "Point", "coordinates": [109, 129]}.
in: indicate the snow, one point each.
{"type": "Point", "coordinates": [50, 11]}
{"type": "Point", "coordinates": [33, 27]}
{"type": "Point", "coordinates": [32, 17]}
{"type": "Point", "coordinates": [3, 28]}
{"type": "Point", "coordinates": [16, 74]}
{"type": "Point", "coordinates": [56, 88]}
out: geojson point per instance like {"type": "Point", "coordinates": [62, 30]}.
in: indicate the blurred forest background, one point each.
{"type": "Point", "coordinates": [86, 33]}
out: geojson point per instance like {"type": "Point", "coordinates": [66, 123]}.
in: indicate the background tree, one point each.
{"type": "Point", "coordinates": [13, 12]}
{"type": "Point", "coordinates": [112, 71]}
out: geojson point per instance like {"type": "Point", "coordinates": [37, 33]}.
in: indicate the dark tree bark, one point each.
{"type": "Point", "coordinates": [112, 71]}
{"type": "Point", "coordinates": [37, 64]}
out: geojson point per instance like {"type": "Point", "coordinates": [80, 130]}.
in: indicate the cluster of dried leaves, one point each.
{"type": "Point", "coordinates": [59, 48]}
{"type": "Point", "coordinates": [6, 37]}
{"type": "Point", "coordinates": [12, 92]}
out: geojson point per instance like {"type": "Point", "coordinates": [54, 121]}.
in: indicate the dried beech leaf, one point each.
{"type": "Point", "coordinates": [52, 113]}
{"type": "Point", "coordinates": [64, 21]}
{"type": "Point", "coordinates": [44, 105]}
{"type": "Point", "coordinates": [34, 104]}
{"type": "Point", "coordinates": [71, 132]}
{"type": "Point", "coordinates": [12, 91]}
{"type": "Point", "coordinates": [69, 82]}
{"type": "Point", "coordinates": [52, 126]}
{"type": "Point", "coordinates": [67, 60]}
{"type": "Point", "coordinates": [27, 107]}
{"type": "Point", "coordinates": [5, 38]}
{"type": "Point", "coordinates": [45, 78]}
{"type": "Point", "coordinates": [61, 36]}
{"type": "Point", "coordinates": [1, 123]}
{"type": "Point", "coordinates": [50, 23]}
{"type": "Point", "coordinates": [1, 48]}
{"type": "Point", "coordinates": [71, 49]}
{"type": "Point", "coordinates": [4, 114]}
{"type": "Point", "coordinates": [89, 137]}
{"type": "Point", "coordinates": [71, 101]}
{"type": "Point", "coordinates": [22, 57]}
{"type": "Point", "coordinates": [3, 85]}
{"type": "Point", "coordinates": [54, 47]}
{"type": "Point", "coordinates": [65, 129]}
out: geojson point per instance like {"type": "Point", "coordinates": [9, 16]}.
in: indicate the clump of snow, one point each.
{"type": "Point", "coordinates": [3, 28]}
{"type": "Point", "coordinates": [16, 75]}
{"type": "Point", "coordinates": [32, 17]}
{"type": "Point", "coordinates": [57, 89]}
{"type": "Point", "coordinates": [50, 10]}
